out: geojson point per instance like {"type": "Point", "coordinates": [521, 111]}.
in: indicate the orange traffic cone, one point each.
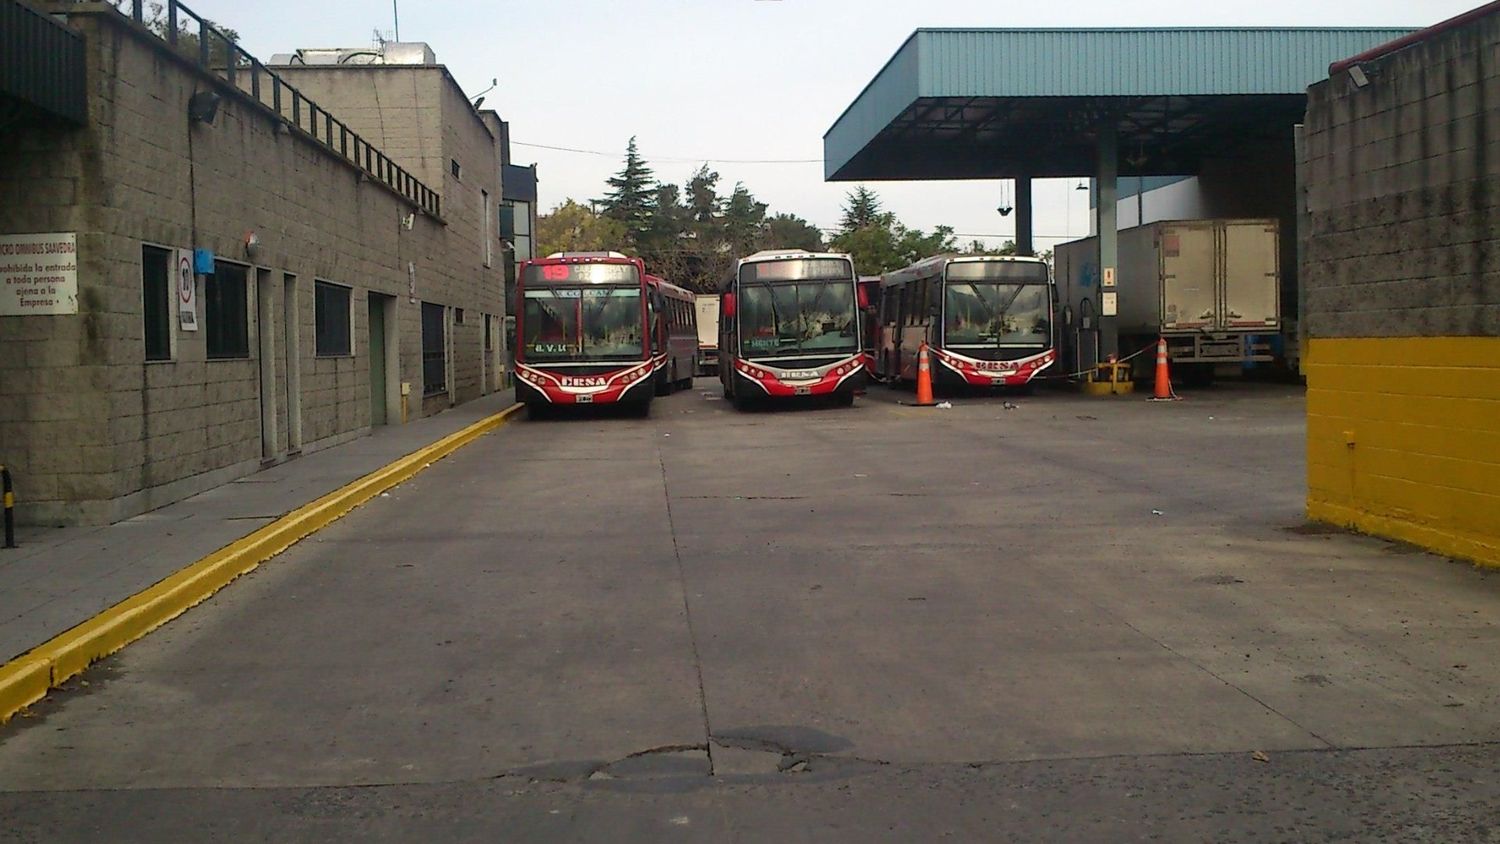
{"type": "Point", "coordinates": [1163, 376]}
{"type": "Point", "coordinates": [924, 378]}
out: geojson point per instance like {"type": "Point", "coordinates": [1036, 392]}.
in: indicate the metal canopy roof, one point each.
{"type": "Point", "coordinates": [1002, 103]}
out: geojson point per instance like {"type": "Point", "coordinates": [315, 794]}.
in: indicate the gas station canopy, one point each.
{"type": "Point", "coordinates": [1005, 103]}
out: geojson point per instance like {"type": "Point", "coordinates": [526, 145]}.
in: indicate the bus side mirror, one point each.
{"type": "Point", "coordinates": [1067, 315]}
{"type": "Point", "coordinates": [729, 305]}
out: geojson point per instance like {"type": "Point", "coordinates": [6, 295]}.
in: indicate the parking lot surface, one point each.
{"type": "Point", "coordinates": [1028, 617]}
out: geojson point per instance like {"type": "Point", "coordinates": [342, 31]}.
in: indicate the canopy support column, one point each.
{"type": "Point", "coordinates": [1024, 237]}
{"type": "Point", "coordinates": [1106, 223]}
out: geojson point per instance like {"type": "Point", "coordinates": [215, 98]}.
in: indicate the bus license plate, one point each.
{"type": "Point", "coordinates": [803, 391]}
{"type": "Point", "coordinates": [585, 399]}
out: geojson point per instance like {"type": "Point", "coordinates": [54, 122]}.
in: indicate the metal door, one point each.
{"type": "Point", "coordinates": [265, 329]}
{"type": "Point", "coordinates": [1251, 279]}
{"type": "Point", "coordinates": [377, 360]}
{"type": "Point", "coordinates": [1189, 270]}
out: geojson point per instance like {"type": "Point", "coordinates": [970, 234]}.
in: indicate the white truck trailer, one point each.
{"type": "Point", "coordinates": [707, 306]}
{"type": "Point", "coordinates": [1212, 288]}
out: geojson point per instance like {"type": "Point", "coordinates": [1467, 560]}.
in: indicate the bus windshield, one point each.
{"type": "Point", "coordinates": [797, 306]}
{"type": "Point", "coordinates": [582, 323]}
{"type": "Point", "coordinates": [986, 314]}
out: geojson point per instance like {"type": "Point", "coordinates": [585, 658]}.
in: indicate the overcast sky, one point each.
{"type": "Point", "coordinates": [728, 80]}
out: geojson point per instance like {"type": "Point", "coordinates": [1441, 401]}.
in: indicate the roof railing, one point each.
{"type": "Point", "coordinates": [218, 54]}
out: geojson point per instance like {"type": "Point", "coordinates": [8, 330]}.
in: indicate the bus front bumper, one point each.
{"type": "Point", "coordinates": [844, 375]}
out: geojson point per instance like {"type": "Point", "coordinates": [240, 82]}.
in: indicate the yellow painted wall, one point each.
{"type": "Point", "coordinates": [1403, 440]}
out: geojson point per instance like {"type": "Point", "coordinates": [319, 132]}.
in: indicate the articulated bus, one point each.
{"type": "Point", "coordinates": [789, 325]}
{"type": "Point", "coordinates": [987, 321]}
{"type": "Point", "coordinates": [594, 328]}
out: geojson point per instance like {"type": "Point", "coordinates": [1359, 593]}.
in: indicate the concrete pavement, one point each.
{"type": "Point", "coordinates": [59, 577]}
{"type": "Point", "coordinates": [1078, 619]}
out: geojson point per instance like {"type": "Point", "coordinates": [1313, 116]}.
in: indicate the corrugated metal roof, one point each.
{"type": "Point", "coordinates": [1025, 63]}
{"type": "Point", "coordinates": [1131, 62]}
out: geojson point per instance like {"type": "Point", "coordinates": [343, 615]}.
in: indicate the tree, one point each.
{"type": "Point", "coordinates": [571, 227]}
{"type": "Point", "coordinates": [630, 196]}
{"type": "Point", "coordinates": [188, 35]}
{"type": "Point", "coordinates": [702, 198]}
{"type": "Point", "coordinates": [792, 232]}
{"type": "Point", "coordinates": [913, 245]}
{"type": "Point", "coordinates": [744, 227]}
{"type": "Point", "coordinates": [861, 209]}
{"type": "Point", "coordinates": [879, 242]}
{"type": "Point", "coordinates": [978, 247]}
{"type": "Point", "coordinates": [667, 221]}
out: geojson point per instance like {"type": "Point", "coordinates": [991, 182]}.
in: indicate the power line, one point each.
{"type": "Point", "coordinates": [675, 159]}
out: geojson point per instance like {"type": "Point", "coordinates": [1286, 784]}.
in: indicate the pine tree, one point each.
{"type": "Point", "coordinates": [861, 210]}
{"type": "Point", "coordinates": [744, 220]}
{"type": "Point", "coordinates": [631, 194]}
{"type": "Point", "coordinates": [703, 199]}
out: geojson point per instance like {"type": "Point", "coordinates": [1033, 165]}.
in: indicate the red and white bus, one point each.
{"type": "Point", "coordinates": [676, 334]}
{"type": "Point", "coordinates": [790, 325]}
{"type": "Point", "coordinates": [987, 320]}
{"type": "Point", "coordinates": [594, 328]}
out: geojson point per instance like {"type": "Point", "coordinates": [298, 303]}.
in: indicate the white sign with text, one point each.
{"type": "Point", "coordinates": [186, 286]}
{"type": "Point", "coordinates": [38, 274]}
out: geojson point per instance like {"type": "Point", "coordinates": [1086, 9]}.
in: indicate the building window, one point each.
{"type": "Point", "coordinates": [486, 251]}
{"type": "Point", "coordinates": [434, 350]}
{"type": "Point", "coordinates": [453, 166]}
{"type": "Point", "coordinates": [522, 225]}
{"type": "Point", "coordinates": [515, 227]}
{"type": "Point", "coordinates": [226, 315]}
{"type": "Point", "coordinates": [458, 316]}
{"type": "Point", "coordinates": [331, 319]}
{"type": "Point", "coordinates": [156, 291]}
{"type": "Point", "coordinates": [489, 333]}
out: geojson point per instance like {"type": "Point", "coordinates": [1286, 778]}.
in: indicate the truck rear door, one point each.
{"type": "Point", "coordinates": [1252, 282]}
{"type": "Point", "coordinates": [1188, 269]}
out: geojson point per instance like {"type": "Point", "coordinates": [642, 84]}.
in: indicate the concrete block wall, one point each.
{"type": "Point", "coordinates": [1402, 276]}
{"type": "Point", "coordinates": [422, 119]}
{"type": "Point", "coordinates": [93, 432]}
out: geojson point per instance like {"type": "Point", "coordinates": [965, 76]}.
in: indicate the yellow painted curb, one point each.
{"type": "Point", "coordinates": [28, 678]}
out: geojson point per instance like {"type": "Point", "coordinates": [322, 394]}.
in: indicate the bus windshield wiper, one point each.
{"type": "Point", "coordinates": [1000, 331]}
{"type": "Point", "coordinates": [775, 316]}
{"type": "Point", "coordinates": [802, 311]}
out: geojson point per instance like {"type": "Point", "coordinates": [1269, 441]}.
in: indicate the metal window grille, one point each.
{"type": "Point", "coordinates": [434, 350]}
{"type": "Point", "coordinates": [226, 315]}
{"type": "Point", "coordinates": [156, 297]}
{"type": "Point", "coordinates": [331, 319]}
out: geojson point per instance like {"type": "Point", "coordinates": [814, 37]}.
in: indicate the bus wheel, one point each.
{"type": "Point", "coordinates": [663, 384]}
{"type": "Point", "coordinates": [843, 398]}
{"type": "Point", "coordinates": [742, 402]}
{"type": "Point", "coordinates": [537, 411]}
